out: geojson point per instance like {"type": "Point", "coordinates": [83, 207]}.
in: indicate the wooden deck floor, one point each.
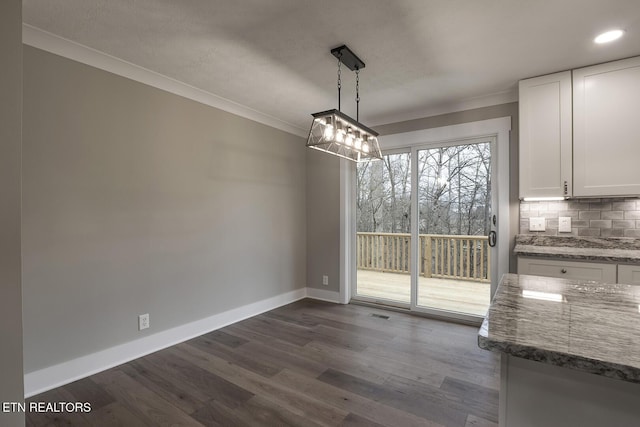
{"type": "Point", "coordinates": [444, 294]}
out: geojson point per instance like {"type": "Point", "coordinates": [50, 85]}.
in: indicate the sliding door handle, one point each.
{"type": "Point", "coordinates": [492, 238]}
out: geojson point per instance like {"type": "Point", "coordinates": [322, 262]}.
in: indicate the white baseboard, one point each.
{"type": "Point", "coordinates": [64, 373]}
{"type": "Point", "coordinates": [323, 295]}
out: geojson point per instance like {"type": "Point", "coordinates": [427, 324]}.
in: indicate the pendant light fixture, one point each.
{"type": "Point", "coordinates": [336, 133]}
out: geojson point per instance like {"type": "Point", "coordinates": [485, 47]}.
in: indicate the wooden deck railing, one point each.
{"type": "Point", "coordinates": [441, 256]}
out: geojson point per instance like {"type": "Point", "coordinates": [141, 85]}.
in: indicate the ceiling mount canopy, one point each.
{"type": "Point", "coordinates": [347, 57]}
{"type": "Point", "coordinates": [336, 133]}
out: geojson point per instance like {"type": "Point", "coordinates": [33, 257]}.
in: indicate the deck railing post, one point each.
{"type": "Point", "coordinates": [428, 268]}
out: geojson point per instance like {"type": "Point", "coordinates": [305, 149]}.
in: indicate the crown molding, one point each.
{"type": "Point", "coordinates": [44, 40]}
{"type": "Point", "coordinates": [490, 100]}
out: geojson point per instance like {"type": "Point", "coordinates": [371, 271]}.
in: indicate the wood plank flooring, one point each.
{"type": "Point", "coordinates": [309, 363]}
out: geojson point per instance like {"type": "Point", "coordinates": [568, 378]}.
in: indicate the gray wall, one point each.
{"type": "Point", "coordinates": [323, 191]}
{"type": "Point", "coordinates": [139, 201]}
{"type": "Point", "coordinates": [323, 220]}
{"type": "Point", "coordinates": [11, 382]}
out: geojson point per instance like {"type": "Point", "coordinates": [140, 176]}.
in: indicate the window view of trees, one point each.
{"type": "Point", "coordinates": [454, 192]}
{"type": "Point", "coordinates": [383, 199]}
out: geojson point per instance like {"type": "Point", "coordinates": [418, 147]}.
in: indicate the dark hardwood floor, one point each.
{"type": "Point", "coordinates": [309, 363]}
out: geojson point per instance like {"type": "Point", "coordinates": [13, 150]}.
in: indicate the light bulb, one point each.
{"type": "Point", "coordinates": [340, 136]}
{"type": "Point", "coordinates": [365, 147]}
{"type": "Point", "coordinates": [328, 132]}
{"type": "Point", "coordinates": [349, 139]}
{"type": "Point", "coordinates": [358, 143]}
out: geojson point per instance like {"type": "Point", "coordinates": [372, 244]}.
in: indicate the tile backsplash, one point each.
{"type": "Point", "coordinates": [589, 217]}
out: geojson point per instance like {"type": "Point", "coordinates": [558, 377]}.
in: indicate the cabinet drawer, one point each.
{"type": "Point", "coordinates": [568, 269]}
{"type": "Point", "coordinates": [629, 274]}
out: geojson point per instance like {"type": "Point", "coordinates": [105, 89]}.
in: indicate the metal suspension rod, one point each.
{"type": "Point", "coordinates": [339, 80]}
{"type": "Point", "coordinates": [357, 94]}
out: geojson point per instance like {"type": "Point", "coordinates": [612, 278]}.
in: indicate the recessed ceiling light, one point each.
{"type": "Point", "coordinates": [609, 36]}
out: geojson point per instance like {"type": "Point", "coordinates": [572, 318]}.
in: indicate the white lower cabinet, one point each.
{"type": "Point", "coordinates": [598, 272]}
{"type": "Point", "coordinates": [629, 274]}
{"type": "Point", "coordinates": [580, 270]}
{"type": "Point", "coordinates": [538, 394]}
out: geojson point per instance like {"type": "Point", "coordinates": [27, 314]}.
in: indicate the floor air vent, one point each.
{"type": "Point", "coordinates": [381, 316]}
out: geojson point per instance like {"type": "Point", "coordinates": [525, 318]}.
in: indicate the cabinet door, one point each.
{"type": "Point", "coordinates": [545, 136]}
{"type": "Point", "coordinates": [598, 272]}
{"type": "Point", "coordinates": [606, 139]}
{"type": "Point", "coordinates": [629, 274]}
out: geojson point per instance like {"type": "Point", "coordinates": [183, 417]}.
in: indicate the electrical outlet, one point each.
{"type": "Point", "coordinates": [537, 224]}
{"type": "Point", "coordinates": [564, 224]}
{"type": "Point", "coordinates": [143, 321]}
{"type": "Point", "coordinates": [325, 280]}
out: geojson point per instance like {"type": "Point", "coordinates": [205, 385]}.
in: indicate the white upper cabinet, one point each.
{"type": "Point", "coordinates": [545, 136]}
{"type": "Point", "coordinates": [606, 121]}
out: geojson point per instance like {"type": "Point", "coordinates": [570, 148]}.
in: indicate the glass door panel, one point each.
{"type": "Point", "coordinates": [454, 211]}
{"type": "Point", "coordinates": [383, 224]}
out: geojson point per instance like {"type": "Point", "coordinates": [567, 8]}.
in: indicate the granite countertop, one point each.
{"type": "Point", "coordinates": [590, 326]}
{"type": "Point", "coordinates": [611, 249]}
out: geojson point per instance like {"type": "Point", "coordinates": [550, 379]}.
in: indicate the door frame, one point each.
{"type": "Point", "coordinates": [499, 128]}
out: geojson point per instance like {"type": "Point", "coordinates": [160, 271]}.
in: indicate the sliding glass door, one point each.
{"type": "Point", "coordinates": [423, 220]}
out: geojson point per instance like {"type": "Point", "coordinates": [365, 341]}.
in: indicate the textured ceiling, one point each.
{"type": "Point", "coordinates": [422, 56]}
